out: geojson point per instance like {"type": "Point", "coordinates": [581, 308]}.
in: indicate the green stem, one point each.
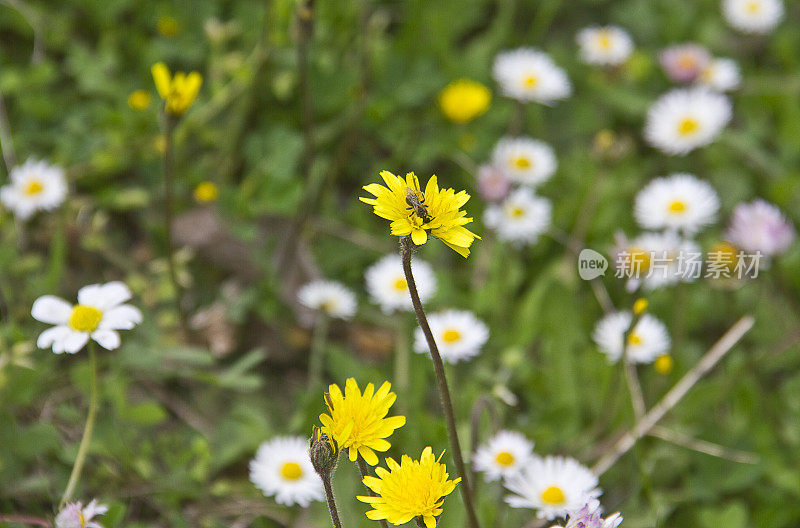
{"type": "Point", "coordinates": [402, 361]}
{"type": "Point", "coordinates": [406, 249]}
{"type": "Point", "coordinates": [87, 431]}
{"type": "Point", "coordinates": [168, 212]}
{"type": "Point", "coordinates": [326, 483]}
{"type": "Point", "coordinates": [316, 359]}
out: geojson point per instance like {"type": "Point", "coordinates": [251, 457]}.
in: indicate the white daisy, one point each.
{"type": "Point", "coordinates": [648, 340]}
{"type": "Point", "coordinates": [607, 46]}
{"type": "Point", "coordinates": [524, 160]}
{"type": "Point", "coordinates": [387, 286]}
{"type": "Point", "coordinates": [34, 186]}
{"type": "Point", "coordinates": [680, 201]}
{"type": "Point", "coordinates": [74, 515]}
{"type": "Point", "coordinates": [100, 312]}
{"type": "Point", "coordinates": [330, 297]}
{"type": "Point", "coordinates": [685, 119]}
{"type": "Point", "coordinates": [527, 74]}
{"type": "Point", "coordinates": [502, 455]}
{"type": "Point", "coordinates": [521, 218]}
{"type": "Point", "coordinates": [660, 259]}
{"type": "Point", "coordinates": [458, 334]}
{"type": "Point", "coordinates": [552, 485]}
{"type": "Point", "coordinates": [760, 226]}
{"type": "Point", "coordinates": [282, 468]}
{"type": "Point", "coordinates": [721, 75]}
{"type": "Point", "coordinates": [753, 16]}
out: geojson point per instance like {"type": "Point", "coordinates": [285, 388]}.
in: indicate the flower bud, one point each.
{"type": "Point", "coordinates": [324, 453]}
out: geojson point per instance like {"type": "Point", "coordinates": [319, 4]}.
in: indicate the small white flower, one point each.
{"type": "Point", "coordinates": [458, 334]}
{"type": "Point", "coordinates": [282, 468]}
{"type": "Point", "coordinates": [680, 201]}
{"type": "Point", "coordinates": [753, 16]}
{"type": "Point", "coordinates": [34, 186]}
{"type": "Point", "coordinates": [648, 340]}
{"type": "Point", "coordinates": [502, 455]}
{"type": "Point", "coordinates": [100, 312]}
{"type": "Point", "coordinates": [606, 46]}
{"type": "Point", "coordinates": [590, 516]}
{"type": "Point", "coordinates": [685, 119]}
{"type": "Point", "coordinates": [387, 286]}
{"type": "Point", "coordinates": [760, 226]}
{"type": "Point", "coordinates": [524, 160]}
{"type": "Point", "coordinates": [332, 298]}
{"type": "Point", "coordinates": [74, 515]}
{"type": "Point", "coordinates": [552, 485]}
{"type": "Point", "coordinates": [721, 75]}
{"type": "Point", "coordinates": [527, 74]}
{"type": "Point", "coordinates": [660, 259]}
{"type": "Point", "coordinates": [521, 218]}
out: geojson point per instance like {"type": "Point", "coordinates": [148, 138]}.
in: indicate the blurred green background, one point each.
{"type": "Point", "coordinates": [179, 420]}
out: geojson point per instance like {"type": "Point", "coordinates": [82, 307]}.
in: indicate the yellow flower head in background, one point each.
{"type": "Point", "coordinates": [463, 100]}
{"type": "Point", "coordinates": [358, 422]}
{"type": "Point", "coordinates": [139, 100]}
{"type": "Point", "coordinates": [180, 91]}
{"type": "Point", "coordinates": [206, 192]}
{"type": "Point", "coordinates": [409, 489]}
{"type": "Point", "coordinates": [416, 213]}
{"type": "Point", "coordinates": [168, 26]}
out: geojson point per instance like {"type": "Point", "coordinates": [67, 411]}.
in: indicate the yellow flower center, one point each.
{"type": "Point", "coordinates": [604, 40]}
{"type": "Point", "coordinates": [687, 61]}
{"type": "Point", "coordinates": [688, 126]}
{"type": "Point", "coordinates": [85, 318]}
{"type": "Point", "coordinates": [33, 187]}
{"type": "Point", "coordinates": [640, 259]}
{"type": "Point", "coordinates": [451, 336]}
{"type": "Point", "coordinates": [753, 7]}
{"type": "Point", "coordinates": [81, 518]}
{"type": "Point", "coordinates": [400, 285]}
{"type": "Point", "coordinates": [677, 206]}
{"type": "Point", "coordinates": [504, 458]}
{"type": "Point", "coordinates": [515, 211]}
{"type": "Point", "coordinates": [522, 163]}
{"type": "Point", "coordinates": [553, 495]}
{"type": "Point", "coordinates": [530, 81]}
{"type": "Point", "coordinates": [634, 339]}
{"type": "Point", "coordinates": [291, 471]}
{"type": "Point", "coordinates": [663, 364]}
{"type": "Point", "coordinates": [328, 306]}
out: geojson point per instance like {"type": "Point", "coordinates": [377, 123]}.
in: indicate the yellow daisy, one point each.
{"type": "Point", "coordinates": [416, 213]}
{"type": "Point", "coordinates": [463, 100]}
{"type": "Point", "coordinates": [358, 422]}
{"type": "Point", "coordinates": [409, 489]}
{"type": "Point", "coordinates": [180, 91]}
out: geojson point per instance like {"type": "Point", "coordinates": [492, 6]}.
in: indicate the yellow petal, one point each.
{"type": "Point", "coordinates": [161, 78]}
{"type": "Point", "coordinates": [419, 236]}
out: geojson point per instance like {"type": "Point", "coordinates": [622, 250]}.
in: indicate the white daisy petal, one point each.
{"type": "Point", "coordinates": [524, 160]}
{"type": "Point", "coordinates": [74, 341]}
{"type": "Point", "coordinates": [108, 339]}
{"type": "Point", "coordinates": [605, 46]}
{"type": "Point", "coordinates": [282, 469]}
{"type": "Point", "coordinates": [49, 337]}
{"type": "Point", "coordinates": [122, 317]}
{"type": "Point", "coordinates": [51, 310]}
{"type": "Point", "coordinates": [648, 340]}
{"type": "Point", "coordinates": [104, 296]}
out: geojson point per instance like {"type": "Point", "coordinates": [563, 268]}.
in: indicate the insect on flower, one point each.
{"type": "Point", "coordinates": [416, 205]}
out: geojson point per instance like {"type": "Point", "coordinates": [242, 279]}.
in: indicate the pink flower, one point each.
{"type": "Point", "coordinates": [684, 62]}
{"type": "Point", "coordinates": [493, 186]}
{"type": "Point", "coordinates": [74, 515]}
{"type": "Point", "coordinates": [760, 226]}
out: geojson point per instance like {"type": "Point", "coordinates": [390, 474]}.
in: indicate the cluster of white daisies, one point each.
{"type": "Point", "coordinates": [554, 486]}
{"type": "Point", "coordinates": [459, 334]}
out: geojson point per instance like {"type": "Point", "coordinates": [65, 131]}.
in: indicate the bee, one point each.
{"type": "Point", "coordinates": [416, 205]}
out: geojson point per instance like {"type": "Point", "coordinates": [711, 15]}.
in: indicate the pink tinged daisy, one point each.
{"type": "Point", "coordinates": [684, 63]}
{"type": "Point", "coordinates": [34, 186]}
{"type": "Point", "coordinates": [493, 184]}
{"type": "Point", "coordinates": [604, 46]}
{"type": "Point", "coordinates": [74, 515]}
{"type": "Point", "coordinates": [760, 226]}
{"type": "Point", "coordinates": [679, 202]}
{"type": "Point", "coordinates": [590, 516]}
{"type": "Point", "coordinates": [527, 74]}
{"type": "Point", "coordinates": [100, 312]}
{"type": "Point", "coordinates": [685, 119]}
{"type": "Point", "coordinates": [553, 486]}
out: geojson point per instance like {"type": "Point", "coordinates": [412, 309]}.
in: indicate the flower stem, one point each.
{"type": "Point", "coordinates": [406, 249]}
{"type": "Point", "coordinates": [87, 431]}
{"type": "Point", "coordinates": [326, 483]}
{"type": "Point", "coordinates": [402, 361]}
{"type": "Point", "coordinates": [364, 470]}
{"type": "Point", "coordinates": [318, 345]}
{"type": "Point", "coordinates": [168, 208]}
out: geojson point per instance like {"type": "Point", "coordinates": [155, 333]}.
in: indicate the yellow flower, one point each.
{"type": "Point", "coordinates": [179, 91]}
{"type": "Point", "coordinates": [139, 100]}
{"type": "Point", "coordinates": [663, 364]}
{"type": "Point", "coordinates": [416, 213]}
{"type": "Point", "coordinates": [463, 100]}
{"type": "Point", "coordinates": [206, 192]}
{"type": "Point", "coordinates": [168, 26]}
{"type": "Point", "coordinates": [358, 422]}
{"type": "Point", "coordinates": [409, 489]}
